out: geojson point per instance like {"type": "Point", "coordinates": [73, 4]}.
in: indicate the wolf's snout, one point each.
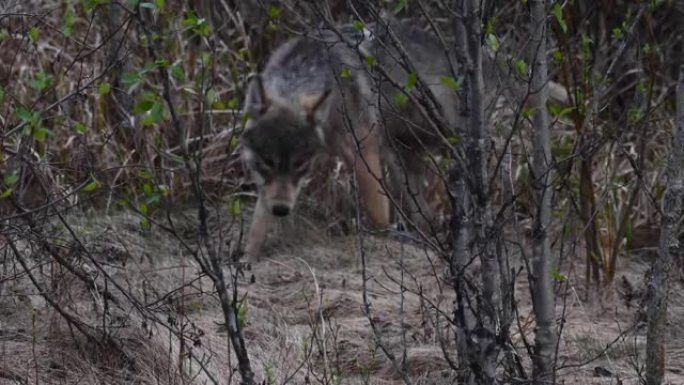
{"type": "Point", "coordinates": [281, 210]}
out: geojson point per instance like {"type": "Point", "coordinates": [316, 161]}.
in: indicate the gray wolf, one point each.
{"type": "Point", "coordinates": [317, 94]}
{"type": "Point", "coordinates": [295, 114]}
{"type": "Point", "coordinates": [344, 92]}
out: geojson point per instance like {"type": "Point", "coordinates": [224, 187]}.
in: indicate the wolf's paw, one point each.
{"type": "Point", "coordinates": [399, 233]}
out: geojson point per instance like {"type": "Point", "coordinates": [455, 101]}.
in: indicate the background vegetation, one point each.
{"type": "Point", "coordinates": [120, 118]}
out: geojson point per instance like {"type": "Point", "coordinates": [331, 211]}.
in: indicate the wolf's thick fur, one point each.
{"type": "Point", "coordinates": [300, 106]}
{"type": "Point", "coordinates": [318, 94]}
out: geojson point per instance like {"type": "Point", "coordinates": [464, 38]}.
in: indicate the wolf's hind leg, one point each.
{"type": "Point", "coordinates": [368, 168]}
{"type": "Point", "coordinates": [408, 174]}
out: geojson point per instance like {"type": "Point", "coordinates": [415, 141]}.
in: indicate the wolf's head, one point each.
{"type": "Point", "coordinates": [280, 144]}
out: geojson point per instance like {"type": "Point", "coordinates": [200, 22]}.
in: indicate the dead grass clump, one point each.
{"type": "Point", "coordinates": [419, 361]}
{"type": "Point", "coordinates": [125, 318]}
{"type": "Point", "coordinates": [119, 347]}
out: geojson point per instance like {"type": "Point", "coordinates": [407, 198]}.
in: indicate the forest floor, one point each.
{"type": "Point", "coordinates": [304, 319]}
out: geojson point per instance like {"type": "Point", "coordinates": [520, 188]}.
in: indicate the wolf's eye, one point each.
{"type": "Point", "coordinates": [267, 163]}
{"type": "Point", "coordinates": [264, 166]}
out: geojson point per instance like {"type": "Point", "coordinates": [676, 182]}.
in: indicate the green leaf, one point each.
{"type": "Point", "coordinates": [527, 112]}
{"type": "Point", "coordinates": [234, 141]}
{"type": "Point", "coordinates": [163, 189]}
{"type": "Point", "coordinates": [554, 109]}
{"type": "Point", "coordinates": [346, 73]}
{"type": "Point", "coordinates": [131, 81]}
{"type": "Point", "coordinates": [81, 128]}
{"type": "Point", "coordinates": [2, 94]}
{"type": "Point", "coordinates": [160, 4]}
{"type": "Point", "coordinates": [143, 106]}
{"type": "Point", "coordinates": [235, 207]}
{"type": "Point", "coordinates": [274, 12]}
{"type": "Point", "coordinates": [157, 111]}
{"type": "Point", "coordinates": [147, 5]}
{"type": "Point", "coordinates": [244, 54]}
{"type": "Point", "coordinates": [10, 180]}
{"type": "Point", "coordinates": [521, 67]}
{"type": "Point", "coordinates": [145, 174]}
{"type": "Point", "coordinates": [205, 59]}
{"type": "Point", "coordinates": [560, 112]}
{"type": "Point", "coordinates": [233, 103]}
{"type": "Point", "coordinates": [34, 34]}
{"type": "Point", "coordinates": [5, 194]}
{"type": "Point", "coordinates": [104, 88]}
{"type": "Point", "coordinates": [154, 200]}
{"type": "Point", "coordinates": [617, 34]}
{"type": "Point", "coordinates": [451, 83]}
{"type": "Point", "coordinates": [401, 100]}
{"type": "Point", "coordinates": [92, 186]}
{"type": "Point", "coordinates": [92, 4]}
{"type": "Point", "coordinates": [358, 25]}
{"type": "Point", "coordinates": [147, 189]}
{"type": "Point", "coordinates": [454, 140]}
{"type": "Point", "coordinates": [162, 63]}
{"type": "Point", "coordinates": [558, 14]}
{"type": "Point", "coordinates": [156, 114]}
{"type": "Point", "coordinates": [558, 276]}
{"type": "Point", "coordinates": [370, 60]}
{"type": "Point", "coordinates": [69, 22]}
{"type": "Point", "coordinates": [489, 26]}
{"type": "Point", "coordinates": [178, 73]}
{"type": "Point", "coordinates": [203, 29]}
{"type": "Point", "coordinates": [270, 377]}
{"type": "Point", "coordinates": [3, 35]}
{"type": "Point", "coordinates": [635, 114]}
{"type": "Point", "coordinates": [41, 81]}
{"type": "Point", "coordinates": [190, 20]}
{"type": "Point", "coordinates": [242, 314]}
{"type": "Point", "coordinates": [401, 5]}
{"type": "Point", "coordinates": [558, 56]}
{"type": "Point", "coordinates": [41, 133]}
{"type": "Point", "coordinates": [212, 96]}
{"type": "Point", "coordinates": [493, 42]}
{"type": "Point", "coordinates": [142, 207]}
{"type": "Point", "coordinates": [23, 113]}
{"type": "Point", "coordinates": [653, 6]}
{"type": "Point", "coordinates": [412, 80]}
{"type": "Point", "coordinates": [642, 86]}
{"type": "Point", "coordinates": [196, 24]}
{"type": "Point", "coordinates": [32, 123]}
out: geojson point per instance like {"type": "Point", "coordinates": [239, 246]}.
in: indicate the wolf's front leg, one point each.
{"type": "Point", "coordinates": [368, 168]}
{"type": "Point", "coordinates": [258, 230]}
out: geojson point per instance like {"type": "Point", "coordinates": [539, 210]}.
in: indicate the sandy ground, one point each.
{"type": "Point", "coordinates": [304, 314]}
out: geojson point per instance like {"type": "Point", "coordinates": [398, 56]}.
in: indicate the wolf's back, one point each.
{"type": "Point", "coordinates": [403, 49]}
{"type": "Point", "coordinates": [298, 67]}
{"type": "Point", "coordinates": [308, 65]}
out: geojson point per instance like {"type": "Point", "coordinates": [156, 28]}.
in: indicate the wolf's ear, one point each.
{"type": "Point", "coordinates": [256, 101]}
{"type": "Point", "coordinates": [312, 105]}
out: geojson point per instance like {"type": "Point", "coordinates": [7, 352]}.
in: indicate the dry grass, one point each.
{"type": "Point", "coordinates": [304, 313]}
